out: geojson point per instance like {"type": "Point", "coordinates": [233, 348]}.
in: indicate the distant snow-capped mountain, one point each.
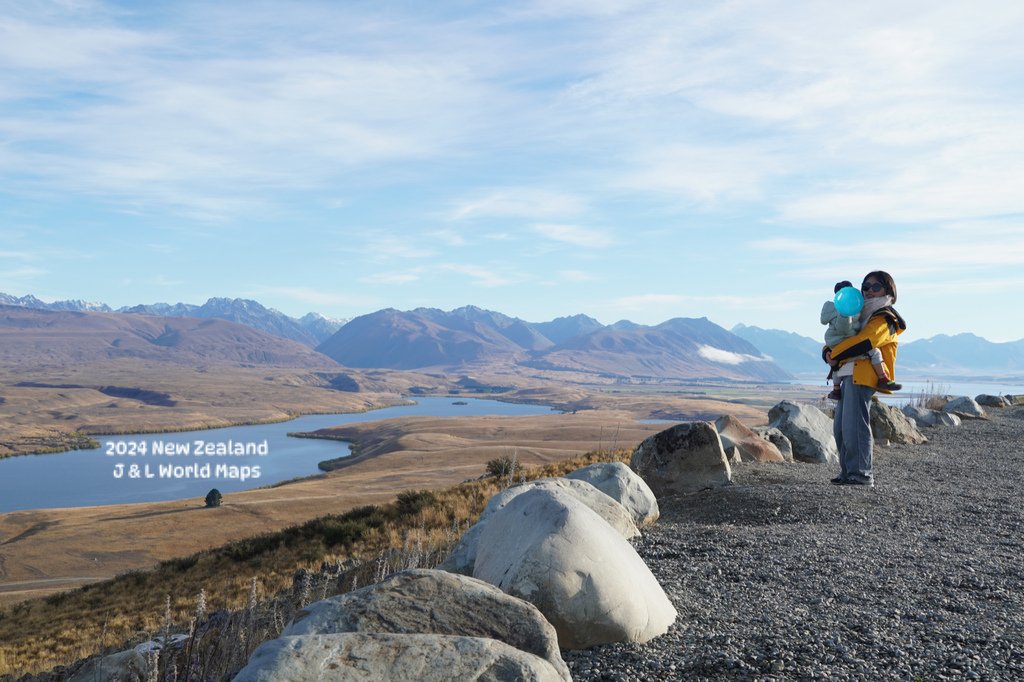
{"type": "Point", "coordinates": [31, 301]}
{"type": "Point", "coordinates": [428, 337]}
{"type": "Point", "coordinates": [310, 330]}
{"type": "Point", "coordinates": [943, 356]}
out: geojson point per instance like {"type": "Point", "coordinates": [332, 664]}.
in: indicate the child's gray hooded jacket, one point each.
{"type": "Point", "coordinates": [839, 326]}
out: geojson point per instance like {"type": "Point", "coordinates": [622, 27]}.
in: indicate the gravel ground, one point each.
{"type": "Point", "coordinates": [784, 576]}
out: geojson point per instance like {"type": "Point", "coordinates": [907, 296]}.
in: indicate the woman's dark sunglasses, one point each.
{"type": "Point", "coordinates": [871, 287]}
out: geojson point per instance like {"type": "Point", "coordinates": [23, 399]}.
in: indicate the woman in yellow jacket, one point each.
{"type": "Point", "coordinates": [881, 325]}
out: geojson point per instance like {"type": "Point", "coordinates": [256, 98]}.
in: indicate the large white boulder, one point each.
{"type": "Point", "coordinates": [684, 458]}
{"type": "Point", "coordinates": [422, 601]}
{"type": "Point", "coordinates": [808, 429]}
{"type": "Point", "coordinates": [378, 657]}
{"type": "Point", "coordinates": [965, 408]}
{"type": "Point", "coordinates": [552, 550]}
{"type": "Point", "coordinates": [618, 517]}
{"type": "Point", "coordinates": [621, 483]}
{"type": "Point", "coordinates": [922, 416]}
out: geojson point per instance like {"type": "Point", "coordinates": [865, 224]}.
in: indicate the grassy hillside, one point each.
{"type": "Point", "coordinates": [253, 578]}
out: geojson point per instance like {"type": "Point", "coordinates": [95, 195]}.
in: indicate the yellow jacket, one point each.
{"type": "Point", "coordinates": [881, 332]}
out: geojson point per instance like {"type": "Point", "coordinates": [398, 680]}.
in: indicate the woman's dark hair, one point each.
{"type": "Point", "coordinates": [885, 279]}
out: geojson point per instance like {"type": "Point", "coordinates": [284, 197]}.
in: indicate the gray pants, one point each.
{"type": "Point", "coordinates": [852, 429]}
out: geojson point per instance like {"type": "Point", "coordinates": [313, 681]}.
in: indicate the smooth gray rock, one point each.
{"type": "Point", "coordinates": [752, 448]}
{"type": "Point", "coordinates": [618, 517]}
{"type": "Point", "coordinates": [422, 601]}
{"type": "Point", "coordinates": [776, 438]}
{"type": "Point", "coordinates": [552, 550]}
{"type": "Point", "coordinates": [128, 666]}
{"type": "Point", "coordinates": [947, 419]}
{"type": "Point", "coordinates": [890, 425]}
{"type": "Point", "coordinates": [965, 408]}
{"type": "Point", "coordinates": [684, 458]}
{"type": "Point", "coordinates": [375, 657]}
{"type": "Point", "coordinates": [922, 416]}
{"type": "Point", "coordinates": [623, 485]}
{"type": "Point", "coordinates": [808, 429]}
{"type": "Point", "coordinates": [986, 400]}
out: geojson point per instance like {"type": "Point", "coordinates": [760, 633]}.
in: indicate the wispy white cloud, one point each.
{"type": "Point", "coordinates": [18, 255]}
{"type": "Point", "coordinates": [725, 357]}
{"type": "Point", "coordinates": [588, 238]}
{"type": "Point", "coordinates": [576, 276]}
{"type": "Point", "coordinates": [706, 174]}
{"type": "Point", "coordinates": [448, 237]}
{"type": "Point", "coordinates": [21, 274]}
{"type": "Point", "coordinates": [388, 247]}
{"type": "Point", "coordinates": [320, 297]}
{"type": "Point", "coordinates": [167, 119]}
{"type": "Point", "coordinates": [947, 250]}
{"type": "Point", "coordinates": [667, 302]}
{"type": "Point", "coordinates": [482, 275]}
{"type": "Point", "coordinates": [519, 202]}
{"type": "Point", "coordinates": [392, 277]}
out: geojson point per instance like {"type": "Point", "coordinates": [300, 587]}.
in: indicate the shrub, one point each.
{"type": "Point", "coordinates": [503, 467]}
{"type": "Point", "coordinates": [413, 501]}
{"type": "Point", "coordinates": [213, 498]}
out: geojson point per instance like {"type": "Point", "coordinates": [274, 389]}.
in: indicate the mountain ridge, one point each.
{"type": "Point", "coordinates": [71, 336]}
{"type": "Point", "coordinates": [964, 354]}
{"type": "Point", "coordinates": [479, 335]}
{"type": "Point", "coordinates": [309, 330]}
{"type": "Point", "coordinates": [681, 348]}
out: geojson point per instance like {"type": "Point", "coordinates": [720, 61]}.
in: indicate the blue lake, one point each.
{"type": "Point", "coordinates": [84, 478]}
{"type": "Point", "coordinates": [914, 389]}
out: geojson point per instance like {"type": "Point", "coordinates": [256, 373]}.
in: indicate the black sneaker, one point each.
{"type": "Point", "coordinates": [889, 385]}
{"type": "Point", "coordinates": [838, 480]}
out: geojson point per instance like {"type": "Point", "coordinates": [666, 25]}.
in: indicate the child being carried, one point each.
{"type": "Point", "coordinates": [841, 327]}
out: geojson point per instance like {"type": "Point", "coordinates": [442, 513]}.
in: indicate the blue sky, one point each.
{"type": "Point", "coordinates": [639, 160]}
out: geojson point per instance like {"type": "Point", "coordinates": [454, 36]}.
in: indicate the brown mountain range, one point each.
{"type": "Point", "coordinates": [44, 337]}
{"type": "Point", "coordinates": [682, 348]}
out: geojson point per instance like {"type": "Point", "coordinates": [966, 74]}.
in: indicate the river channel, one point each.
{"type": "Point", "coordinates": [173, 466]}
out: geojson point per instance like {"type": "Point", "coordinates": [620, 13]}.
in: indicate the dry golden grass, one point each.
{"type": "Point", "coordinates": [49, 550]}
{"type": "Point", "coordinates": [40, 634]}
{"type": "Point", "coordinates": [204, 397]}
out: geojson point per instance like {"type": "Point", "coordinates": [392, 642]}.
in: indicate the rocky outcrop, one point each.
{"type": "Point", "coordinates": [684, 458]}
{"type": "Point", "coordinates": [776, 438]}
{"type": "Point", "coordinates": [384, 656]}
{"type": "Point", "coordinates": [125, 665]}
{"type": "Point", "coordinates": [986, 400]}
{"type": "Point", "coordinates": [618, 517]}
{"type": "Point", "coordinates": [750, 446]}
{"type": "Point", "coordinates": [937, 402]}
{"type": "Point", "coordinates": [965, 408]}
{"type": "Point", "coordinates": [552, 550]}
{"type": "Point", "coordinates": [423, 601]}
{"type": "Point", "coordinates": [809, 431]}
{"type": "Point", "coordinates": [619, 482]}
{"type": "Point", "coordinates": [889, 425]}
{"type": "Point", "coordinates": [922, 416]}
